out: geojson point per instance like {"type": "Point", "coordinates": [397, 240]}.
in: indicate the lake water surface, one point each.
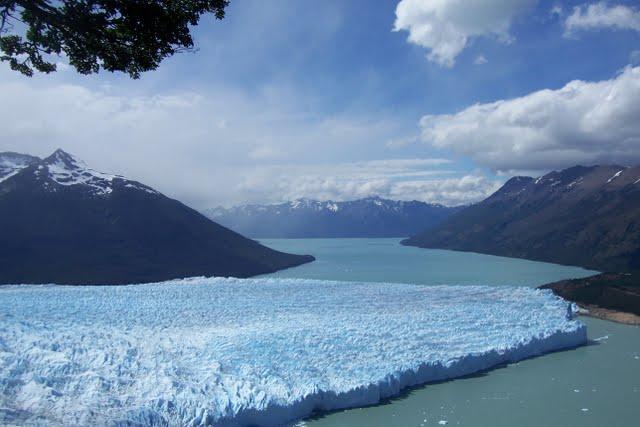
{"type": "Point", "coordinates": [596, 385]}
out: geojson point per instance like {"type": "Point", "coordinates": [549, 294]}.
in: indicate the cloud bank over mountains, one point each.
{"type": "Point", "coordinates": [238, 150]}
{"type": "Point", "coordinates": [400, 179]}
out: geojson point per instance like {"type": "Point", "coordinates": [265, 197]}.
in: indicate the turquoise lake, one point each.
{"type": "Point", "coordinates": [595, 385]}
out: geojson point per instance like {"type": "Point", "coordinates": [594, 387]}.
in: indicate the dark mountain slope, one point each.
{"type": "Point", "coordinates": [613, 291]}
{"type": "Point", "coordinates": [586, 216]}
{"type": "Point", "coordinates": [62, 222]}
{"type": "Point", "coordinates": [370, 217]}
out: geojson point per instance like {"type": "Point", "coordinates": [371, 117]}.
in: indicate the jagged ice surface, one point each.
{"type": "Point", "coordinates": [257, 351]}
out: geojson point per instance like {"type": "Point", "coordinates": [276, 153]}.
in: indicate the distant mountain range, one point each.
{"type": "Point", "coordinates": [370, 217]}
{"type": "Point", "coordinates": [63, 222]}
{"type": "Point", "coordinates": [585, 216]}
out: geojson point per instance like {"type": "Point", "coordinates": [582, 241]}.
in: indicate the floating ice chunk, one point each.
{"type": "Point", "coordinates": [261, 351]}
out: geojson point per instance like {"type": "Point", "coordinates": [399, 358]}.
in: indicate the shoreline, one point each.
{"type": "Point", "coordinates": [616, 316]}
{"type": "Point", "coordinates": [607, 296]}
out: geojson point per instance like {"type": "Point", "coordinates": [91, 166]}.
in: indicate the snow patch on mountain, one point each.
{"type": "Point", "coordinates": [64, 169]}
{"type": "Point", "coordinates": [9, 175]}
{"type": "Point", "coordinates": [253, 352]}
{"type": "Point", "coordinates": [617, 174]}
{"type": "Point", "coordinates": [12, 163]}
{"type": "Point", "coordinates": [368, 217]}
{"type": "Point", "coordinates": [138, 186]}
{"type": "Point", "coordinates": [576, 182]}
{"type": "Point", "coordinates": [333, 207]}
{"type": "Point", "coordinates": [316, 205]}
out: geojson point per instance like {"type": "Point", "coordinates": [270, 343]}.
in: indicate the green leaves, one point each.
{"type": "Point", "coordinates": [115, 35]}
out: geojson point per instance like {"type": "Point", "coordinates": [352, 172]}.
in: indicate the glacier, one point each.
{"type": "Point", "coordinates": [265, 351]}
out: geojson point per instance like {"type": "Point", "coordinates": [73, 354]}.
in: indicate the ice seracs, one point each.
{"type": "Point", "coordinates": [253, 352]}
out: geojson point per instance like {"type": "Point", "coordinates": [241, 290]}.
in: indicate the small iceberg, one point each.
{"type": "Point", "coordinates": [216, 351]}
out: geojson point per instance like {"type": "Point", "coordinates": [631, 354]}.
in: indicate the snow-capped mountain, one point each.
{"type": "Point", "coordinates": [586, 216]}
{"type": "Point", "coordinates": [62, 169]}
{"type": "Point", "coordinates": [12, 163]}
{"type": "Point", "coordinates": [63, 222]}
{"type": "Point", "coordinates": [369, 217]}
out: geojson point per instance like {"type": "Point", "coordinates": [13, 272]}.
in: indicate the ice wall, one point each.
{"type": "Point", "coordinates": [257, 351]}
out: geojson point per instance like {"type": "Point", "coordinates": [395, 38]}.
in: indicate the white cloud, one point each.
{"type": "Point", "coordinates": [62, 66]}
{"type": "Point", "coordinates": [402, 141]}
{"type": "Point", "coordinates": [556, 11]}
{"type": "Point", "coordinates": [209, 148]}
{"type": "Point", "coordinates": [583, 122]}
{"type": "Point", "coordinates": [445, 27]}
{"type": "Point", "coordinates": [401, 179]}
{"type": "Point", "coordinates": [451, 191]}
{"type": "Point", "coordinates": [480, 60]}
{"type": "Point", "coordinates": [602, 15]}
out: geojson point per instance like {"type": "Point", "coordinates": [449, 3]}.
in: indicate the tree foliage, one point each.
{"type": "Point", "coordinates": [130, 36]}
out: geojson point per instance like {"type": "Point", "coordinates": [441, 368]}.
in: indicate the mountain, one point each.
{"type": "Point", "coordinates": [12, 163]}
{"type": "Point", "coordinates": [62, 222]}
{"type": "Point", "coordinates": [370, 217]}
{"type": "Point", "coordinates": [585, 216]}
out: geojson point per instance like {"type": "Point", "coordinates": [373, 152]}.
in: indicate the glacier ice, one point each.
{"type": "Point", "coordinates": [256, 351]}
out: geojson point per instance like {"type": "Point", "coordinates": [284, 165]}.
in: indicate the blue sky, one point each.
{"type": "Point", "coordinates": [288, 99]}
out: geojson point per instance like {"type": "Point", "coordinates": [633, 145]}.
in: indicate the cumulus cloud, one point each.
{"type": "Point", "coordinates": [480, 60]}
{"type": "Point", "coordinates": [581, 123]}
{"type": "Point", "coordinates": [450, 191]}
{"type": "Point", "coordinates": [556, 11]}
{"type": "Point", "coordinates": [602, 15]}
{"type": "Point", "coordinates": [445, 27]}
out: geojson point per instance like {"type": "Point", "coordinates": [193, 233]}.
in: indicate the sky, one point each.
{"type": "Point", "coordinates": [433, 100]}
